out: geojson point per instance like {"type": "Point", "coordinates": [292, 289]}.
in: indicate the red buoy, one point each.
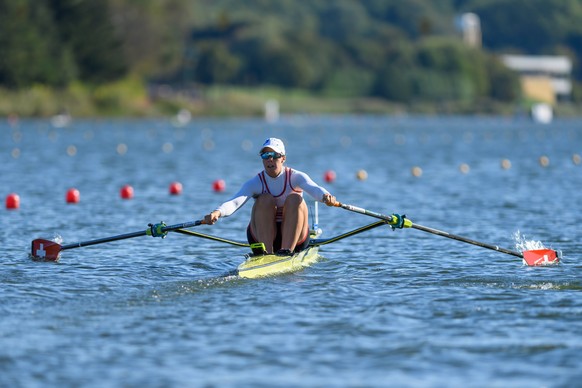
{"type": "Point", "coordinates": [175, 188]}
{"type": "Point", "coordinates": [329, 176]}
{"type": "Point", "coordinates": [126, 192]}
{"type": "Point", "coordinates": [219, 185]}
{"type": "Point", "coordinates": [12, 201]}
{"type": "Point", "coordinates": [73, 196]}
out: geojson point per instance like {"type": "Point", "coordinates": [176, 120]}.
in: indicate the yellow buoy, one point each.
{"type": "Point", "coordinates": [506, 164]}
{"type": "Point", "coordinates": [416, 171]}
{"type": "Point", "coordinates": [544, 161]}
{"type": "Point", "coordinates": [362, 175]}
{"type": "Point", "coordinates": [121, 149]}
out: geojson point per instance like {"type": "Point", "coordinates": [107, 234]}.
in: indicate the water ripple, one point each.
{"type": "Point", "coordinates": [403, 307]}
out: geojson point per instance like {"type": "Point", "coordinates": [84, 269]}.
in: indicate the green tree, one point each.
{"type": "Point", "coordinates": [341, 20]}
{"type": "Point", "coordinates": [53, 42]}
{"type": "Point", "coordinates": [394, 83]}
{"type": "Point", "coordinates": [29, 48]}
{"type": "Point", "coordinates": [152, 34]}
{"type": "Point", "coordinates": [288, 68]}
{"type": "Point", "coordinates": [504, 82]}
{"type": "Point", "coordinates": [85, 27]}
{"type": "Point", "coordinates": [462, 66]}
{"type": "Point", "coordinates": [534, 26]}
{"type": "Point", "coordinates": [216, 64]}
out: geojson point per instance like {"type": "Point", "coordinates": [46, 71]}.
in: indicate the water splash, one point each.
{"type": "Point", "coordinates": [522, 244]}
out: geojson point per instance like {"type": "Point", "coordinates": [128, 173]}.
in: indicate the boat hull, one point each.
{"type": "Point", "coordinates": [268, 265]}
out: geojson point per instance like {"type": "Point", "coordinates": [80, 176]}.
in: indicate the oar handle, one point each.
{"type": "Point", "coordinates": [389, 219]}
{"type": "Point", "coordinates": [184, 225]}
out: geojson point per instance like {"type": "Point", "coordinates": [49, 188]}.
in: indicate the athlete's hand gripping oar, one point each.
{"type": "Point", "coordinates": [531, 257]}
{"type": "Point", "coordinates": [50, 250]}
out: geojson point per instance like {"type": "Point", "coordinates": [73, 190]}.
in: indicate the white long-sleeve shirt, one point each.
{"type": "Point", "coordinates": [287, 182]}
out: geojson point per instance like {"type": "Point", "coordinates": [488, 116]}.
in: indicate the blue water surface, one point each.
{"type": "Point", "coordinates": [400, 308]}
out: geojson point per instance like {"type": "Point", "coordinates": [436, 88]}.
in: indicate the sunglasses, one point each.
{"type": "Point", "coordinates": [271, 154]}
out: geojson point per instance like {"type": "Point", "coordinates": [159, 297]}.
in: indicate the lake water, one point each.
{"type": "Point", "coordinates": [385, 308]}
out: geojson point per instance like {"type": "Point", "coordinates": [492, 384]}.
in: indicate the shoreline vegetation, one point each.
{"type": "Point", "coordinates": [133, 98]}
{"type": "Point", "coordinates": [127, 58]}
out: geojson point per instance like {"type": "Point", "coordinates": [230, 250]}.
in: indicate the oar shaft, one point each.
{"type": "Point", "coordinates": [103, 240]}
{"type": "Point", "coordinates": [408, 223]}
{"type": "Point", "coordinates": [129, 235]}
{"type": "Point", "coordinates": [318, 242]}
{"type": "Point", "coordinates": [464, 239]}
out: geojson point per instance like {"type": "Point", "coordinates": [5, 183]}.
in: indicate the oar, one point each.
{"type": "Point", "coordinates": [325, 241]}
{"type": "Point", "coordinates": [213, 238]}
{"type": "Point", "coordinates": [531, 257]}
{"type": "Point", "coordinates": [50, 251]}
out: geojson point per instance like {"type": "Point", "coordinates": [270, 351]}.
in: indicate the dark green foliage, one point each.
{"type": "Point", "coordinates": [216, 64]}
{"type": "Point", "coordinates": [29, 46]}
{"type": "Point", "coordinates": [405, 51]}
{"type": "Point", "coordinates": [85, 29]}
{"type": "Point", "coordinates": [54, 42]}
{"type": "Point", "coordinates": [537, 27]}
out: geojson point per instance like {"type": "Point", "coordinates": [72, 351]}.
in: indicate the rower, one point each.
{"type": "Point", "coordinates": [279, 218]}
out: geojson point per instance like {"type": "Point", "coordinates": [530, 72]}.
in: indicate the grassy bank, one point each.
{"type": "Point", "coordinates": [132, 98]}
{"type": "Point", "coordinates": [127, 97]}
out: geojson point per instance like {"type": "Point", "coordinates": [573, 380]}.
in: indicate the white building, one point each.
{"type": "Point", "coordinates": [469, 25]}
{"type": "Point", "coordinates": [544, 78]}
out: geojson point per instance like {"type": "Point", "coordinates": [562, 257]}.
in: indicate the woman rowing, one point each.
{"type": "Point", "coordinates": [279, 218]}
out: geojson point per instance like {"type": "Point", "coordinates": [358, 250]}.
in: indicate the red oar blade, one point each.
{"type": "Point", "coordinates": [539, 257]}
{"type": "Point", "coordinates": [45, 250]}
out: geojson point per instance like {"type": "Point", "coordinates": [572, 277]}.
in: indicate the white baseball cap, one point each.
{"type": "Point", "coordinates": [274, 144]}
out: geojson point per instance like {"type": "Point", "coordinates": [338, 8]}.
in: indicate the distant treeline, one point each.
{"type": "Point", "coordinates": [403, 51]}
